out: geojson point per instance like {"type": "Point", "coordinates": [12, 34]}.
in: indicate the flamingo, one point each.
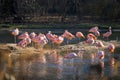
{"type": "Point", "coordinates": [80, 35]}
{"type": "Point", "coordinates": [32, 35]}
{"type": "Point", "coordinates": [90, 35]}
{"type": "Point", "coordinates": [93, 29]}
{"type": "Point", "coordinates": [111, 48]}
{"type": "Point", "coordinates": [90, 41]}
{"type": "Point", "coordinates": [40, 39]}
{"type": "Point", "coordinates": [24, 35]}
{"type": "Point", "coordinates": [97, 33]}
{"type": "Point", "coordinates": [107, 34]}
{"type": "Point", "coordinates": [58, 40]}
{"type": "Point", "coordinates": [68, 35]}
{"type": "Point", "coordinates": [22, 43]}
{"type": "Point", "coordinates": [50, 36]}
{"type": "Point", "coordinates": [15, 32]}
{"type": "Point", "coordinates": [70, 57]}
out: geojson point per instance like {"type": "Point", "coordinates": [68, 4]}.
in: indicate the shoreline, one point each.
{"type": "Point", "coordinates": [71, 47]}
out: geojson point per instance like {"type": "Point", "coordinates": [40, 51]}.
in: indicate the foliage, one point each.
{"type": "Point", "coordinates": [106, 10]}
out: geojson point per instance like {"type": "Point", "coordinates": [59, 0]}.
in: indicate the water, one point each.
{"type": "Point", "coordinates": [6, 37]}
{"type": "Point", "coordinates": [37, 68]}
{"type": "Point", "coordinates": [44, 67]}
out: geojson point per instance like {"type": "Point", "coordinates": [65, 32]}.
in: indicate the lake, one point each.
{"type": "Point", "coordinates": [42, 68]}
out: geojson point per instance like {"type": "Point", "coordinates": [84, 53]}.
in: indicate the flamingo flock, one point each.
{"type": "Point", "coordinates": [43, 39]}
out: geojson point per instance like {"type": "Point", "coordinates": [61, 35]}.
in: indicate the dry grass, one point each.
{"type": "Point", "coordinates": [30, 51]}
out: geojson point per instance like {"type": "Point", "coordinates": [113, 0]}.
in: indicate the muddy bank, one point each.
{"type": "Point", "coordinates": [13, 49]}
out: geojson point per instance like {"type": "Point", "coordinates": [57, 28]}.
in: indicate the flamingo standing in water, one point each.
{"type": "Point", "coordinates": [25, 39]}
{"type": "Point", "coordinates": [32, 35]}
{"type": "Point", "coordinates": [24, 35]}
{"type": "Point", "coordinates": [93, 29]}
{"type": "Point", "coordinates": [58, 40]}
{"type": "Point", "coordinates": [40, 39]}
{"type": "Point", "coordinates": [80, 35]}
{"type": "Point", "coordinates": [90, 41]}
{"type": "Point", "coordinates": [71, 55]}
{"type": "Point", "coordinates": [68, 36]}
{"type": "Point", "coordinates": [24, 42]}
{"type": "Point", "coordinates": [15, 32]}
{"type": "Point", "coordinates": [97, 33]}
{"type": "Point", "coordinates": [90, 35]}
{"type": "Point", "coordinates": [50, 37]}
{"type": "Point", "coordinates": [107, 34]}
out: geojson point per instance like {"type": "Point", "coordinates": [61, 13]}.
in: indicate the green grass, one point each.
{"type": "Point", "coordinates": [61, 26]}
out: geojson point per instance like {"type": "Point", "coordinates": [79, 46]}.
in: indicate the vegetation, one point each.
{"type": "Point", "coordinates": [13, 11]}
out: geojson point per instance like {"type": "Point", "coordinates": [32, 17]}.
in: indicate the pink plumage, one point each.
{"type": "Point", "coordinates": [80, 35]}
{"type": "Point", "coordinates": [15, 32]}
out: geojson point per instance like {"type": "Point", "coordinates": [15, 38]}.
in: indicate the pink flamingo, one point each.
{"type": "Point", "coordinates": [24, 35]}
{"type": "Point", "coordinates": [94, 29]}
{"type": "Point", "coordinates": [90, 41]}
{"type": "Point", "coordinates": [22, 43]}
{"type": "Point", "coordinates": [32, 35]}
{"type": "Point", "coordinates": [107, 34]}
{"type": "Point", "coordinates": [58, 40]}
{"type": "Point", "coordinates": [40, 39]}
{"type": "Point", "coordinates": [68, 35]}
{"type": "Point", "coordinates": [71, 55]}
{"type": "Point", "coordinates": [80, 35]}
{"type": "Point", "coordinates": [90, 35]}
{"type": "Point", "coordinates": [111, 48]}
{"type": "Point", "coordinates": [50, 37]}
{"type": "Point", "coordinates": [15, 32]}
{"type": "Point", "coordinates": [97, 33]}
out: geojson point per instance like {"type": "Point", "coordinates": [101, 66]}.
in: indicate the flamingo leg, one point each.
{"type": "Point", "coordinates": [79, 39]}
{"type": "Point", "coordinates": [67, 41]}
{"type": "Point", "coordinates": [15, 39]}
{"type": "Point", "coordinates": [107, 38]}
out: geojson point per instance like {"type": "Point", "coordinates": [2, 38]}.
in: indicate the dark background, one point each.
{"type": "Point", "coordinates": [17, 11]}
